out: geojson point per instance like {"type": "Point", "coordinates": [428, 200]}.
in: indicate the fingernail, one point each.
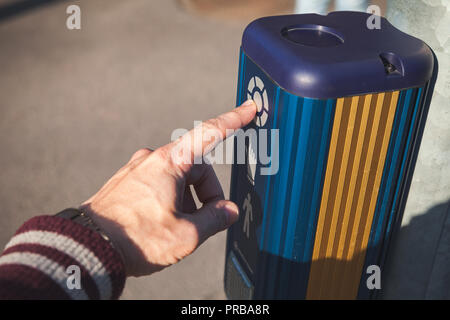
{"type": "Point", "coordinates": [248, 103]}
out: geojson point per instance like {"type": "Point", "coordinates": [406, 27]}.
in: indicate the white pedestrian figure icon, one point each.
{"type": "Point", "coordinates": [247, 206]}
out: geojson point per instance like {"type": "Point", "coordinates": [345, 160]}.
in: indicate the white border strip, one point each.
{"type": "Point", "coordinates": [75, 250]}
{"type": "Point", "coordinates": [49, 267]}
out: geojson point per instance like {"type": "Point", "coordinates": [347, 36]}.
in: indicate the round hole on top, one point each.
{"type": "Point", "coordinates": [313, 35]}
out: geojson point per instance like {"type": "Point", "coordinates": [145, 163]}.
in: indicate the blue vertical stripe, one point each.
{"type": "Point", "coordinates": [393, 210]}
{"type": "Point", "coordinates": [241, 77]}
{"type": "Point", "coordinates": [298, 173]}
{"type": "Point", "coordinates": [309, 228]}
{"type": "Point", "coordinates": [291, 191]}
{"type": "Point", "coordinates": [267, 196]}
{"type": "Point", "coordinates": [392, 180]}
{"type": "Point", "coordinates": [277, 212]}
{"type": "Point", "coordinates": [392, 170]}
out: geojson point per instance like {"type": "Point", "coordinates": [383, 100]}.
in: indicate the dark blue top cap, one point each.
{"type": "Point", "coordinates": [336, 55]}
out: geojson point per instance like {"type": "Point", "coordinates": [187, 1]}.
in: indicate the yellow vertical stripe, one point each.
{"type": "Point", "coordinates": [350, 196]}
{"type": "Point", "coordinates": [326, 188]}
{"type": "Point", "coordinates": [354, 174]}
{"type": "Point", "coordinates": [379, 172]}
{"type": "Point", "coordinates": [356, 157]}
{"type": "Point", "coordinates": [328, 268]}
{"type": "Point", "coordinates": [366, 171]}
{"type": "Point", "coordinates": [349, 278]}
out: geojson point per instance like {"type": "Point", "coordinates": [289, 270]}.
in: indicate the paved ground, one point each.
{"type": "Point", "coordinates": [74, 105]}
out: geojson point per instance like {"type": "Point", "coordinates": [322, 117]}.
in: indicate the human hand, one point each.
{"type": "Point", "coordinates": [147, 208]}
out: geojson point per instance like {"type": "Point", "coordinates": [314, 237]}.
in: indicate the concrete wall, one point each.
{"type": "Point", "coordinates": [419, 262]}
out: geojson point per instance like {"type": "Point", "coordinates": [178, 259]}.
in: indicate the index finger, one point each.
{"type": "Point", "coordinates": [211, 132]}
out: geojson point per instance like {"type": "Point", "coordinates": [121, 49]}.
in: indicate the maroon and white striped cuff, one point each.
{"type": "Point", "coordinates": [36, 259]}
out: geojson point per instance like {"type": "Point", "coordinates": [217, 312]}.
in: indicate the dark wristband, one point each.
{"type": "Point", "coordinates": [80, 217]}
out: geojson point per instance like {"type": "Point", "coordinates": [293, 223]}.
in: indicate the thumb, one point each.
{"type": "Point", "coordinates": [213, 217]}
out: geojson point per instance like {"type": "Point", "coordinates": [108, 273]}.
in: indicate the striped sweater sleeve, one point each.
{"type": "Point", "coordinates": [51, 257]}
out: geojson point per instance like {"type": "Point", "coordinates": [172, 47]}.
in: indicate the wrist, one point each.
{"type": "Point", "coordinates": [81, 217]}
{"type": "Point", "coordinates": [108, 228]}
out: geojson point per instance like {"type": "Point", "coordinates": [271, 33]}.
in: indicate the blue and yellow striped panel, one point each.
{"type": "Point", "coordinates": [330, 209]}
{"type": "Point", "coordinates": [357, 153]}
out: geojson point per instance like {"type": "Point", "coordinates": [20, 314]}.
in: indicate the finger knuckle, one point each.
{"type": "Point", "coordinates": [162, 155]}
{"type": "Point", "coordinates": [213, 124]}
{"type": "Point", "coordinates": [188, 230]}
{"type": "Point", "coordinates": [187, 237]}
{"type": "Point", "coordinates": [237, 113]}
{"type": "Point", "coordinates": [143, 152]}
{"type": "Point", "coordinates": [218, 220]}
